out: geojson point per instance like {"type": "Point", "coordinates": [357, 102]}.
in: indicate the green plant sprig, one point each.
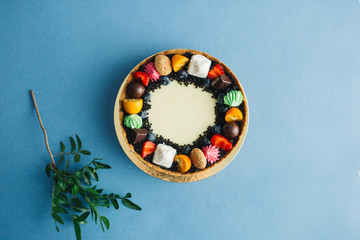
{"type": "Point", "coordinates": [73, 191]}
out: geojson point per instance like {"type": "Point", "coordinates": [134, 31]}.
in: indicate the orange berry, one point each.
{"type": "Point", "coordinates": [132, 106]}
{"type": "Point", "coordinates": [233, 114]}
{"type": "Point", "coordinates": [178, 61]}
{"type": "Point", "coordinates": [184, 163]}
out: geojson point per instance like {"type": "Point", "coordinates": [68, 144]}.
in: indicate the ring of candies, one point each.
{"type": "Point", "coordinates": [211, 146]}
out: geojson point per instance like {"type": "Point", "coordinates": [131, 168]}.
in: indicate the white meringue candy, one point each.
{"type": "Point", "coordinates": [164, 155]}
{"type": "Point", "coordinates": [199, 66]}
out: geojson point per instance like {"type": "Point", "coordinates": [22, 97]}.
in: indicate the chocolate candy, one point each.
{"type": "Point", "coordinates": [135, 89]}
{"type": "Point", "coordinates": [221, 82]}
{"type": "Point", "coordinates": [231, 130]}
{"type": "Point", "coordinates": [139, 135]}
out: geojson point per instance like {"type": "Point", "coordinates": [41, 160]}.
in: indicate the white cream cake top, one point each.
{"type": "Point", "coordinates": [181, 113]}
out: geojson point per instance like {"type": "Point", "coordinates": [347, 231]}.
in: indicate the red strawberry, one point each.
{"type": "Point", "coordinates": [142, 76]}
{"type": "Point", "coordinates": [148, 148]}
{"type": "Point", "coordinates": [221, 142]}
{"type": "Point", "coordinates": [216, 72]}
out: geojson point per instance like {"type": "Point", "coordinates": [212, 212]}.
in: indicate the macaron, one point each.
{"type": "Point", "coordinates": [163, 65]}
{"type": "Point", "coordinates": [198, 158]}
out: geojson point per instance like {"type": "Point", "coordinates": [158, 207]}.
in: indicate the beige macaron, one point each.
{"type": "Point", "coordinates": [163, 64]}
{"type": "Point", "coordinates": [198, 158]}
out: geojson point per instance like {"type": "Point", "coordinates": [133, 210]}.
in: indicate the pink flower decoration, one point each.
{"type": "Point", "coordinates": [211, 153]}
{"type": "Point", "coordinates": [151, 71]}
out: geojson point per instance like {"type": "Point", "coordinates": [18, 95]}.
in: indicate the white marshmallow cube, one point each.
{"type": "Point", "coordinates": [164, 155]}
{"type": "Point", "coordinates": [199, 66]}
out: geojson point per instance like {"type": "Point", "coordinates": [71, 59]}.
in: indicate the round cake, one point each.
{"type": "Point", "coordinates": [181, 115]}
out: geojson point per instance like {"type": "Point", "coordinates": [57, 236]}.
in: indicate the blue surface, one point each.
{"type": "Point", "coordinates": [296, 176]}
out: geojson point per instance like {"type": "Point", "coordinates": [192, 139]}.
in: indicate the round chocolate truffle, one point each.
{"type": "Point", "coordinates": [231, 130]}
{"type": "Point", "coordinates": [135, 89]}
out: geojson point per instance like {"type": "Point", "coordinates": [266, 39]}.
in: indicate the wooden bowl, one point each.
{"type": "Point", "coordinates": [154, 170]}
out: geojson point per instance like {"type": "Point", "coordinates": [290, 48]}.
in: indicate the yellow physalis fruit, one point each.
{"type": "Point", "coordinates": [178, 61]}
{"type": "Point", "coordinates": [233, 114]}
{"type": "Point", "coordinates": [184, 163]}
{"type": "Point", "coordinates": [132, 106]}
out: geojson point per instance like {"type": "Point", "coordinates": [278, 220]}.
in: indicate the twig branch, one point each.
{"type": "Point", "coordinates": [65, 153]}
{"type": "Point", "coordinates": [42, 127]}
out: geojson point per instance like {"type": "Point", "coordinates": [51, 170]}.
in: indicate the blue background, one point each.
{"type": "Point", "coordinates": [296, 176]}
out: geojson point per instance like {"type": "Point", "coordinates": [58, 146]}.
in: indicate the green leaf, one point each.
{"type": "Point", "coordinates": [78, 173]}
{"type": "Point", "coordinates": [75, 180]}
{"type": "Point", "coordinates": [102, 226]}
{"type": "Point", "coordinates": [56, 200]}
{"type": "Point", "coordinates": [92, 213]}
{"type": "Point", "coordinates": [67, 164]}
{"type": "Point", "coordinates": [60, 200]}
{"type": "Point", "coordinates": [99, 190]}
{"type": "Point", "coordinates": [62, 146]}
{"type": "Point", "coordinates": [59, 209]}
{"type": "Point", "coordinates": [80, 208]}
{"type": "Point", "coordinates": [75, 190]}
{"type": "Point", "coordinates": [64, 197]}
{"type": "Point", "coordinates": [57, 189]}
{"type": "Point", "coordinates": [92, 191]}
{"type": "Point", "coordinates": [79, 142]}
{"type": "Point", "coordinates": [82, 222]}
{"type": "Point", "coordinates": [77, 157]}
{"type": "Point", "coordinates": [73, 144]}
{"type": "Point", "coordinates": [92, 173]}
{"type": "Point", "coordinates": [114, 203]}
{"type": "Point", "coordinates": [61, 159]}
{"type": "Point", "coordinates": [96, 217]}
{"type": "Point", "coordinates": [62, 185]}
{"type": "Point", "coordinates": [76, 201]}
{"type": "Point", "coordinates": [82, 193]}
{"type": "Point", "coordinates": [130, 204]}
{"type": "Point", "coordinates": [77, 230]}
{"type": "Point", "coordinates": [57, 218]}
{"type": "Point", "coordinates": [48, 169]}
{"type": "Point", "coordinates": [83, 216]}
{"type": "Point", "coordinates": [128, 195]}
{"type": "Point", "coordinates": [86, 178]}
{"type": "Point", "coordinates": [57, 229]}
{"type": "Point", "coordinates": [105, 221]}
{"type": "Point", "coordinates": [104, 201]}
{"type": "Point", "coordinates": [102, 165]}
{"type": "Point", "coordinates": [85, 152]}
{"type": "Point", "coordinates": [57, 177]}
{"type": "Point", "coordinates": [72, 179]}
